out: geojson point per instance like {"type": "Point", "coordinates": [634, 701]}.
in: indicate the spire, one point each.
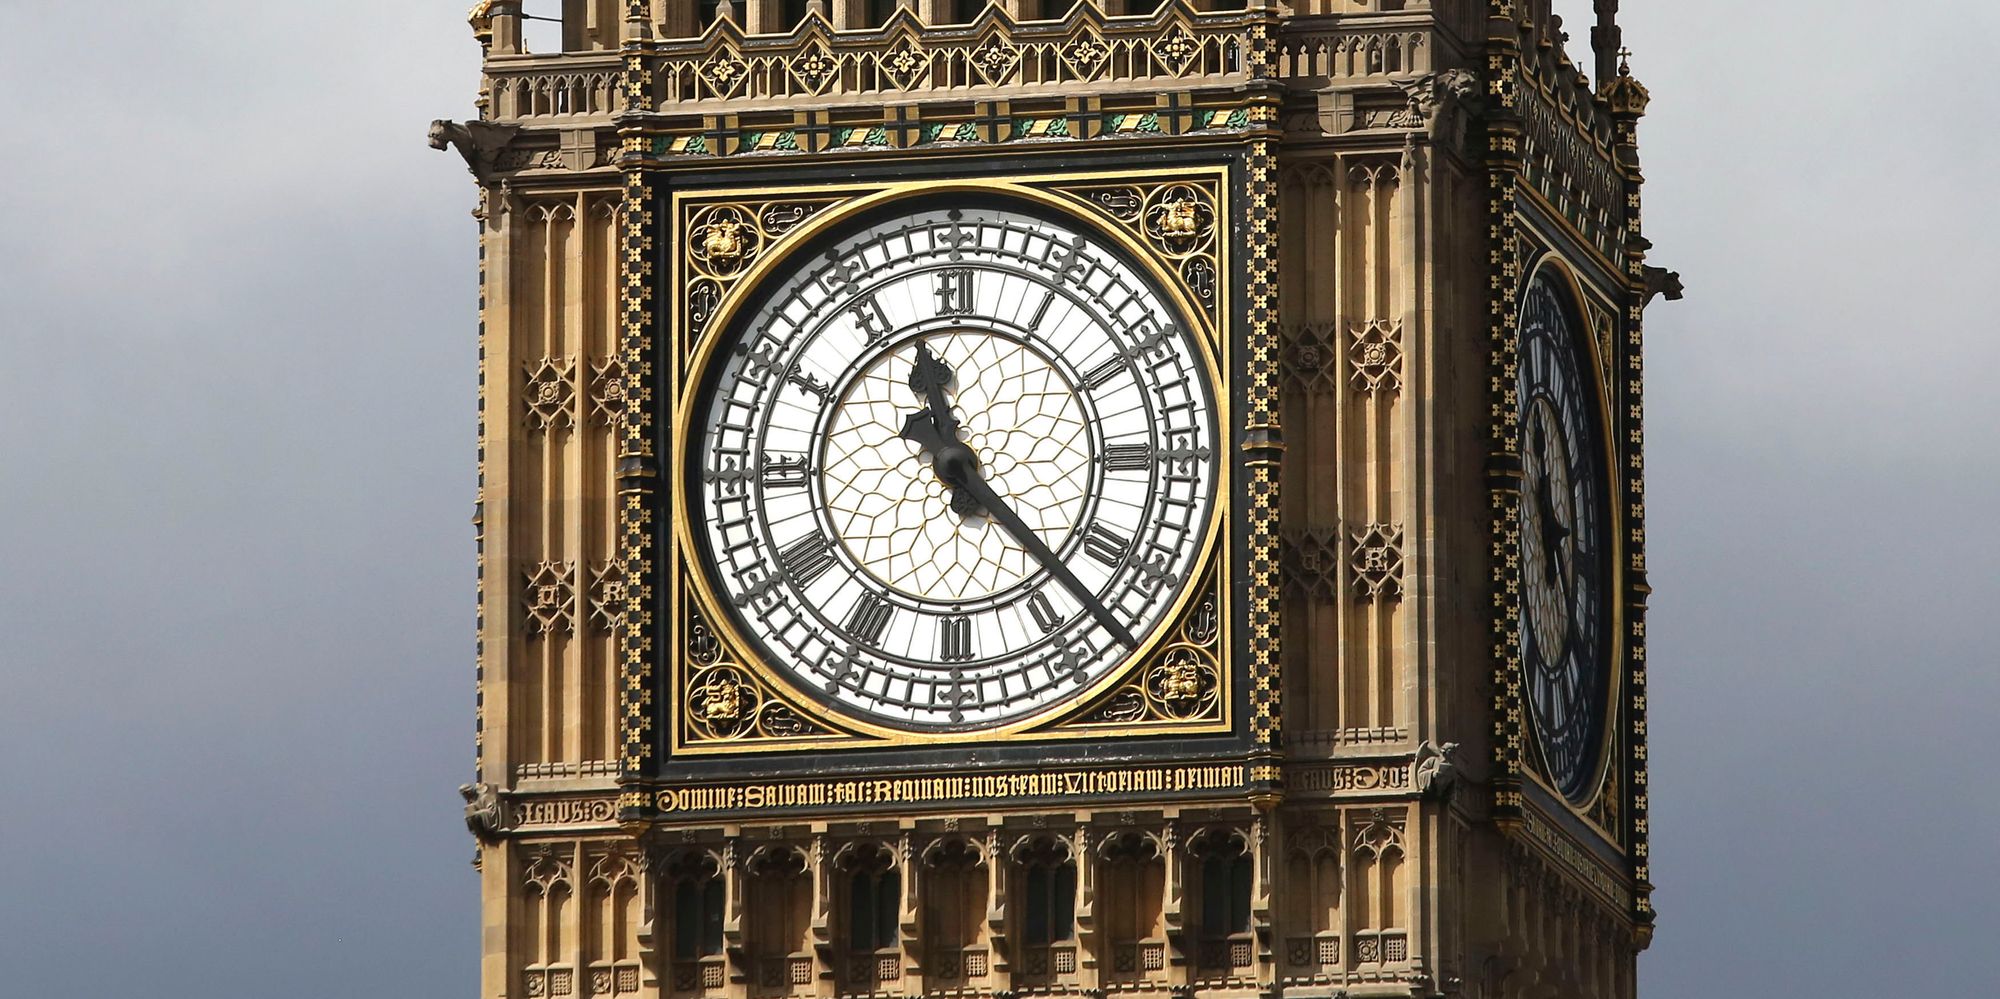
{"type": "Point", "coordinates": [1607, 39]}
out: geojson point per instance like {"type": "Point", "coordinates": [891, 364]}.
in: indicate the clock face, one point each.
{"type": "Point", "coordinates": [955, 467]}
{"type": "Point", "coordinates": [1565, 542]}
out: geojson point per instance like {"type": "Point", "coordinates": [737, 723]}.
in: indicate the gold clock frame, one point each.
{"type": "Point", "coordinates": [702, 636]}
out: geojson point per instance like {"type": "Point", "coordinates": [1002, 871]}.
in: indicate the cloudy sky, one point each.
{"type": "Point", "coordinates": [236, 563]}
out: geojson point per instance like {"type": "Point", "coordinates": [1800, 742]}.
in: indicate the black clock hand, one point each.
{"type": "Point", "coordinates": [1017, 527]}
{"type": "Point", "coordinates": [956, 466]}
{"type": "Point", "coordinates": [1553, 532]}
{"type": "Point", "coordinates": [928, 377]}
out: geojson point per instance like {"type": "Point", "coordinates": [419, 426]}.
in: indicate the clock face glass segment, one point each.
{"type": "Point", "coordinates": [1565, 542]}
{"type": "Point", "coordinates": [924, 591]}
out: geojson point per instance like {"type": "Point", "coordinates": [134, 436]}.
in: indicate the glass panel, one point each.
{"type": "Point", "coordinates": [1214, 897]}
{"type": "Point", "coordinates": [1038, 905]}
{"type": "Point", "coordinates": [711, 917]}
{"type": "Point", "coordinates": [1063, 913]}
{"type": "Point", "coordinates": [1239, 895]}
{"type": "Point", "coordinates": [861, 912]}
{"type": "Point", "coordinates": [885, 909]}
{"type": "Point", "coordinates": [687, 920]}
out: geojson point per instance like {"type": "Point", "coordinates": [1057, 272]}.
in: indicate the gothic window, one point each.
{"type": "Point", "coordinates": [790, 13]}
{"type": "Point", "coordinates": [697, 900]}
{"type": "Point", "coordinates": [1132, 880]}
{"type": "Point", "coordinates": [874, 890]}
{"type": "Point", "coordinates": [1048, 905]}
{"type": "Point", "coordinates": [1225, 886]}
{"type": "Point", "coordinates": [1311, 890]}
{"type": "Point", "coordinates": [1223, 874]}
{"type": "Point", "coordinates": [954, 883]}
{"type": "Point", "coordinates": [777, 913]}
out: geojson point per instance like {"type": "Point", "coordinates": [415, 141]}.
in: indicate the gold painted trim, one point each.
{"type": "Point", "coordinates": [1213, 348]}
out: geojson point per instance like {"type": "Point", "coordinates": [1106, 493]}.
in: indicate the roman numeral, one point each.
{"type": "Point", "coordinates": [955, 638]}
{"type": "Point", "coordinates": [1105, 546]}
{"type": "Point", "coordinates": [1128, 457]}
{"type": "Point", "coordinates": [869, 318]}
{"type": "Point", "coordinates": [807, 384]}
{"type": "Point", "coordinates": [1041, 311]}
{"type": "Point", "coordinates": [869, 618]}
{"type": "Point", "coordinates": [784, 471]}
{"type": "Point", "coordinates": [1096, 377]}
{"type": "Point", "coordinates": [806, 559]}
{"type": "Point", "coordinates": [1043, 612]}
{"type": "Point", "coordinates": [954, 291]}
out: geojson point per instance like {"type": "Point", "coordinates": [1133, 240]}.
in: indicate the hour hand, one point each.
{"type": "Point", "coordinates": [928, 378]}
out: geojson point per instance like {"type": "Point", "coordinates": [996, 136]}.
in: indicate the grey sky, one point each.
{"type": "Point", "coordinates": [235, 686]}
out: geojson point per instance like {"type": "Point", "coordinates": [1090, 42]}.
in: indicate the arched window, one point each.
{"type": "Point", "coordinates": [874, 897]}
{"type": "Point", "coordinates": [777, 920]}
{"type": "Point", "coordinates": [1223, 888]}
{"type": "Point", "coordinates": [954, 909]}
{"type": "Point", "coordinates": [1131, 887]}
{"type": "Point", "coordinates": [1048, 901]}
{"type": "Point", "coordinates": [696, 883]}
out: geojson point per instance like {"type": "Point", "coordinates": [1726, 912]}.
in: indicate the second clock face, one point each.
{"type": "Point", "coordinates": [1565, 542]}
{"type": "Point", "coordinates": [956, 467]}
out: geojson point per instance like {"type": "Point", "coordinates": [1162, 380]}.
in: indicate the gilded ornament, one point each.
{"type": "Point", "coordinates": [724, 73]}
{"type": "Point", "coordinates": [1180, 219]}
{"type": "Point", "coordinates": [995, 59]}
{"type": "Point", "coordinates": [1085, 54]}
{"type": "Point", "coordinates": [904, 64]}
{"type": "Point", "coordinates": [814, 69]}
{"type": "Point", "coordinates": [1178, 49]}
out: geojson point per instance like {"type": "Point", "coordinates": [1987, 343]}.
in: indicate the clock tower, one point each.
{"type": "Point", "coordinates": [1059, 498]}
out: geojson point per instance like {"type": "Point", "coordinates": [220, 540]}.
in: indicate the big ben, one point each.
{"type": "Point", "coordinates": [1059, 499]}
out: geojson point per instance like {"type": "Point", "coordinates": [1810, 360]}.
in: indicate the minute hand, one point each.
{"type": "Point", "coordinates": [1012, 521]}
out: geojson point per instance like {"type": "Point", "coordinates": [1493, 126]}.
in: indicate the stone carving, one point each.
{"type": "Point", "coordinates": [1436, 774]}
{"type": "Point", "coordinates": [550, 598]}
{"type": "Point", "coordinates": [1308, 355]}
{"type": "Point", "coordinates": [546, 871]}
{"type": "Point", "coordinates": [995, 59]}
{"type": "Point", "coordinates": [1376, 355]}
{"type": "Point", "coordinates": [608, 398]}
{"type": "Point", "coordinates": [607, 596]}
{"type": "Point", "coordinates": [1377, 561]}
{"type": "Point", "coordinates": [479, 143]}
{"type": "Point", "coordinates": [550, 393]}
{"type": "Point", "coordinates": [1660, 281]}
{"type": "Point", "coordinates": [1311, 562]}
{"type": "Point", "coordinates": [1380, 836]}
{"type": "Point", "coordinates": [485, 814]}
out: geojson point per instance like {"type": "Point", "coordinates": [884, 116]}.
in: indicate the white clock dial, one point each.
{"type": "Point", "coordinates": [956, 466]}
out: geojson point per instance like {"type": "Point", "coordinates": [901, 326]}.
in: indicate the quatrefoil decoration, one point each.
{"type": "Point", "coordinates": [995, 59]}
{"type": "Point", "coordinates": [904, 64]}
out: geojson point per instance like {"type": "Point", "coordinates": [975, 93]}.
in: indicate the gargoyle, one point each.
{"type": "Point", "coordinates": [485, 814]}
{"type": "Point", "coordinates": [1660, 281]}
{"type": "Point", "coordinates": [1435, 771]}
{"type": "Point", "coordinates": [479, 142]}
